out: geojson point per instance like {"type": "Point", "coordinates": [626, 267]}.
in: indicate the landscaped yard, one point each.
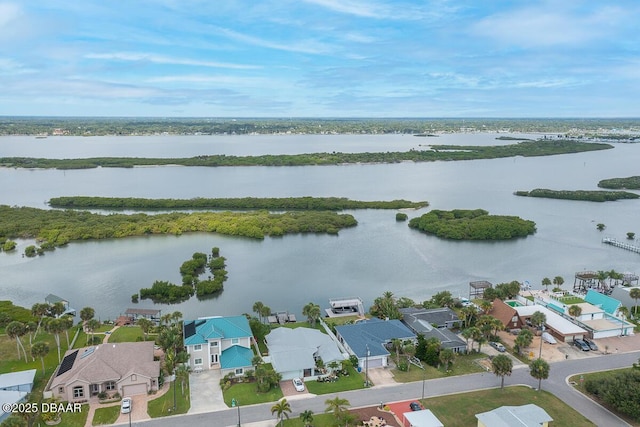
{"type": "Point", "coordinates": [74, 419]}
{"type": "Point", "coordinates": [463, 364]}
{"type": "Point", "coordinates": [354, 381]}
{"type": "Point", "coordinates": [107, 415]}
{"type": "Point", "coordinates": [467, 405]}
{"type": "Point", "coordinates": [163, 405]}
{"type": "Point", "coordinates": [570, 300]}
{"type": "Point", "coordinates": [126, 334]}
{"type": "Point", "coordinates": [319, 420]}
{"type": "Point", "coordinates": [246, 394]}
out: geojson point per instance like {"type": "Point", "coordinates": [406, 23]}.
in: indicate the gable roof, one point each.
{"type": "Point", "coordinates": [14, 379]}
{"type": "Point", "coordinates": [109, 362]}
{"type": "Point", "coordinates": [370, 335]}
{"type": "Point", "coordinates": [236, 356]}
{"type": "Point", "coordinates": [438, 316]}
{"type": "Point", "coordinates": [503, 312]}
{"type": "Point", "coordinates": [201, 330]}
{"type": "Point", "coordinates": [294, 349]}
{"type": "Point", "coordinates": [608, 304]}
{"type": "Point", "coordinates": [514, 416]}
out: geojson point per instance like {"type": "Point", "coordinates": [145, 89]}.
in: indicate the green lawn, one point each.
{"type": "Point", "coordinates": [126, 334]}
{"type": "Point", "coordinates": [354, 381]}
{"type": "Point", "coordinates": [468, 404]}
{"type": "Point", "coordinates": [75, 419]}
{"type": "Point", "coordinates": [464, 364]}
{"type": "Point", "coordinates": [570, 300]}
{"type": "Point", "coordinates": [107, 415]}
{"type": "Point", "coordinates": [163, 405]}
{"type": "Point", "coordinates": [246, 394]}
{"type": "Point", "coordinates": [319, 420]}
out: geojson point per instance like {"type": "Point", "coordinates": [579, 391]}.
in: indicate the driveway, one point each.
{"type": "Point", "coordinates": [381, 377]}
{"type": "Point", "coordinates": [206, 394]}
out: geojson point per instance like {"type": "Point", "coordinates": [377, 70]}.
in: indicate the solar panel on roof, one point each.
{"type": "Point", "coordinates": [87, 352]}
{"type": "Point", "coordinates": [189, 329]}
{"type": "Point", "coordinates": [67, 363]}
{"type": "Point", "coordinates": [200, 322]}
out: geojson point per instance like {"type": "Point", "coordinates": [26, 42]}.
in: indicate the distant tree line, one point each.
{"type": "Point", "coordinates": [629, 183]}
{"type": "Point", "coordinates": [590, 196]}
{"type": "Point", "coordinates": [56, 228]}
{"type": "Point", "coordinates": [475, 224]}
{"type": "Point", "coordinates": [269, 203]}
{"type": "Point", "coordinates": [436, 153]}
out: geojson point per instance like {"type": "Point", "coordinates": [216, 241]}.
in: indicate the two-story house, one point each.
{"type": "Point", "coordinates": [219, 343]}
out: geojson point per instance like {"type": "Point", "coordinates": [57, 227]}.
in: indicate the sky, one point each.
{"type": "Point", "coordinates": [320, 58]}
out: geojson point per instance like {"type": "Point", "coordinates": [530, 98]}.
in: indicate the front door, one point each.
{"type": "Point", "coordinates": [214, 358]}
{"type": "Point", "coordinates": [94, 389]}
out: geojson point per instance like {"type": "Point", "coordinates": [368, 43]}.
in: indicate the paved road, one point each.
{"type": "Point", "coordinates": [556, 384]}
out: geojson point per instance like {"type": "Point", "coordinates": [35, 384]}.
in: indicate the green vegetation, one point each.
{"type": "Point", "coordinates": [245, 393]}
{"type": "Point", "coordinates": [589, 196]}
{"type": "Point", "coordinates": [107, 415]}
{"type": "Point", "coordinates": [629, 183]}
{"type": "Point", "coordinates": [163, 405]}
{"type": "Point", "coordinates": [437, 152]}
{"type": "Point", "coordinates": [467, 405]}
{"type": "Point", "coordinates": [57, 228]}
{"type": "Point", "coordinates": [75, 419]}
{"type": "Point", "coordinates": [464, 364]}
{"type": "Point", "coordinates": [126, 334]}
{"type": "Point", "coordinates": [401, 216]}
{"type": "Point", "coordinates": [270, 203]}
{"type": "Point", "coordinates": [472, 225]}
{"type": "Point", "coordinates": [617, 390]}
{"type": "Point", "coordinates": [354, 381]}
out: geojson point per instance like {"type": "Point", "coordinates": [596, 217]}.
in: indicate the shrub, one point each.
{"type": "Point", "coordinates": [400, 216]}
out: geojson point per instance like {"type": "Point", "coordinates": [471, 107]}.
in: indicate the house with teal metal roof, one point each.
{"type": "Point", "coordinates": [608, 304]}
{"type": "Point", "coordinates": [222, 343]}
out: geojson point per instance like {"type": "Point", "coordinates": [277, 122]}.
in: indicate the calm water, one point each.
{"type": "Point", "coordinates": [286, 273]}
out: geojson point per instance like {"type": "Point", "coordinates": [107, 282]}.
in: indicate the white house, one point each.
{"type": "Point", "coordinates": [219, 343]}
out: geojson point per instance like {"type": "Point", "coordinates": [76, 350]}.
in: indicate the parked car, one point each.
{"type": "Point", "coordinates": [548, 338]}
{"type": "Point", "coordinates": [592, 345]}
{"type": "Point", "coordinates": [415, 406]}
{"type": "Point", "coordinates": [498, 346]}
{"type": "Point", "coordinates": [581, 344]}
{"type": "Point", "coordinates": [125, 407]}
{"type": "Point", "coordinates": [298, 384]}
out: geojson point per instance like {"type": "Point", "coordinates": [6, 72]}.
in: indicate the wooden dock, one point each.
{"type": "Point", "coordinates": [623, 245]}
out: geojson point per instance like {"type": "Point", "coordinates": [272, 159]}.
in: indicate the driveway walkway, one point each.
{"type": "Point", "coordinates": [206, 394]}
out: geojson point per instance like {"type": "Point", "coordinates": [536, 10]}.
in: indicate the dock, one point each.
{"type": "Point", "coordinates": [350, 306]}
{"type": "Point", "coordinates": [622, 245]}
{"type": "Point", "coordinates": [281, 317]}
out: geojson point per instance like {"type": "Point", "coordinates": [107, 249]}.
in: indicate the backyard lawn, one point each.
{"type": "Point", "coordinates": [107, 415]}
{"type": "Point", "coordinates": [126, 334]}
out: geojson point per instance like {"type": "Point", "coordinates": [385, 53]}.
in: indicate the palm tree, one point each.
{"type": "Point", "coordinates": [257, 308]}
{"type": "Point", "coordinates": [337, 406]}
{"type": "Point", "coordinates": [15, 330]}
{"type": "Point", "coordinates": [182, 375]}
{"type": "Point", "coordinates": [485, 306]}
{"type": "Point", "coordinates": [558, 281]}
{"type": "Point", "coordinates": [312, 311]}
{"type": "Point", "coordinates": [538, 319]}
{"type": "Point", "coordinates": [31, 328]}
{"type": "Point", "coordinates": [87, 314]}
{"type": "Point", "coordinates": [468, 313]}
{"type": "Point", "coordinates": [502, 365]}
{"type": "Point", "coordinates": [66, 323]}
{"type": "Point", "coordinates": [575, 311]}
{"type": "Point", "coordinates": [265, 311]}
{"type": "Point", "coordinates": [39, 310]}
{"type": "Point", "coordinates": [467, 334]}
{"type": "Point", "coordinates": [635, 294]}
{"type": "Point", "coordinates": [396, 343]}
{"type": "Point", "coordinates": [524, 339]}
{"type": "Point", "coordinates": [282, 409]}
{"type": "Point", "coordinates": [54, 326]}
{"type": "Point", "coordinates": [40, 349]}
{"type": "Point", "coordinates": [447, 356]}
{"type": "Point", "coordinates": [546, 282]}
{"type": "Point", "coordinates": [146, 325]}
{"type": "Point", "coordinates": [306, 417]}
{"type": "Point", "coordinates": [602, 276]}
{"type": "Point", "coordinates": [91, 327]}
{"type": "Point", "coordinates": [624, 313]}
{"type": "Point", "coordinates": [539, 370]}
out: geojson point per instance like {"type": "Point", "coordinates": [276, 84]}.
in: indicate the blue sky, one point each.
{"type": "Point", "coordinates": [320, 58]}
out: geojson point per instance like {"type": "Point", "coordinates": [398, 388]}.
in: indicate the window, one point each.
{"type": "Point", "coordinates": [78, 391]}
{"type": "Point", "coordinates": [198, 361]}
{"type": "Point", "coordinates": [60, 390]}
{"type": "Point", "coordinates": [234, 341]}
{"type": "Point", "coordinates": [213, 343]}
{"type": "Point", "coordinates": [110, 386]}
{"type": "Point", "coordinates": [134, 377]}
{"type": "Point", "coordinates": [197, 347]}
{"type": "Point", "coordinates": [239, 371]}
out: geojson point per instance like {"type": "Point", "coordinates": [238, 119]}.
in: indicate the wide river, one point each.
{"type": "Point", "coordinates": [285, 273]}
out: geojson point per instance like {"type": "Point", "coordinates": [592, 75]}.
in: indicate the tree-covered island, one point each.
{"type": "Point", "coordinates": [53, 228]}
{"type": "Point", "coordinates": [459, 224]}
{"type": "Point", "coordinates": [584, 195]}
{"type": "Point", "coordinates": [242, 203]}
{"type": "Point", "coordinates": [629, 183]}
{"type": "Point", "coordinates": [435, 153]}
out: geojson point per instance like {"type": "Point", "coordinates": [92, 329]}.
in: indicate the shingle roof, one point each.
{"type": "Point", "coordinates": [372, 334]}
{"type": "Point", "coordinates": [217, 327]}
{"type": "Point", "coordinates": [439, 316]}
{"type": "Point", "coordinates": [110, 362]}
{"type": "Point", "coordinates": [514, 416]}
{"type": "Point", "coordinates": [608, 304]}
{"type": "Point", "coordinates": [503, 311]}
{"type": "Point", "coordinates": [293, 349]}
{"type": "Point", "coordinates": [236, 356]}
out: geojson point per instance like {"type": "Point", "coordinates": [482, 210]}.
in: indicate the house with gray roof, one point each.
{"type": "Point", "coordinates": [127, 368]}
{"type": "Point", "coordinates": [418, 320]}
{"type": "Point", "coordinates": [515, 416]}
{"type": "Point", "coordinates": [222, 343]}
{"type": "Point", "coordinates": [442, 317]}
{"type": "Point", "coordinates": [367, 339]}
{"type": "Point", "coordinates": [294, 352]}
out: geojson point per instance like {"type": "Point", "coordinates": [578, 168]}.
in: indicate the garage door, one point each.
{"type": "Point", "coordinates": [373, 362]}
{"type": "Point", "coordinates": [132, 390]}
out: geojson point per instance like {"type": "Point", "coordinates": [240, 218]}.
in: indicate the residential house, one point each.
{"type": "Point", "coordinates": [367, 339]}
{"type": "Point", "coordinates": [424, 418]}
{"type": "Point", "coordinates": [608, 304]}
{"type": "Point", "coordinates": [126, 368]}
{"type": "Point", "coordinates": [515, 416]}
{"type": "Point", "coordinates": [219, 343]}
{"type": "Point", "coordinates": [294, 352]}
{"type": "Point", "coordinates": [558, 326]}
{"type": "Point", "coordinates": [506, 314]}
{"type": "Point", "coordinates": [435, 324]}
{"type": "Point", "coordinates": [14, 387]}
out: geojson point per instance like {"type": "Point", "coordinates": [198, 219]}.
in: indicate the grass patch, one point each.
{"type": "Point", "coordinates": [163, 405]}
{"type": "Point", "coordinates": [467, 405]}
{"type": "Point", "coordinates": [75, 419]}
{"type": "Point", "coordinates": [126, 334]}
{"type": "Point", "coordinates": [246, 394]}
{"type": "Point", "coordinates": [319, 420]}
{"type": "Point", "coordinates": [570, 300]}
{"type": "Point", "coordinates": [107, 415]}
{"type": "Point", "coordinates": [354, 381]}
{"type": "Point", "coordinates": [464, 364]}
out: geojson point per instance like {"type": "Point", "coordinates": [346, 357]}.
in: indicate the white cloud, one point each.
{"type": "Point", "coordinates": [9, 13]}
{"type": "Point", "coordinates": [312, 47]}
{"type": "Point", "coordinates": [366, 9]}
{"type": "Point", "coordinates": [160, 59]}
